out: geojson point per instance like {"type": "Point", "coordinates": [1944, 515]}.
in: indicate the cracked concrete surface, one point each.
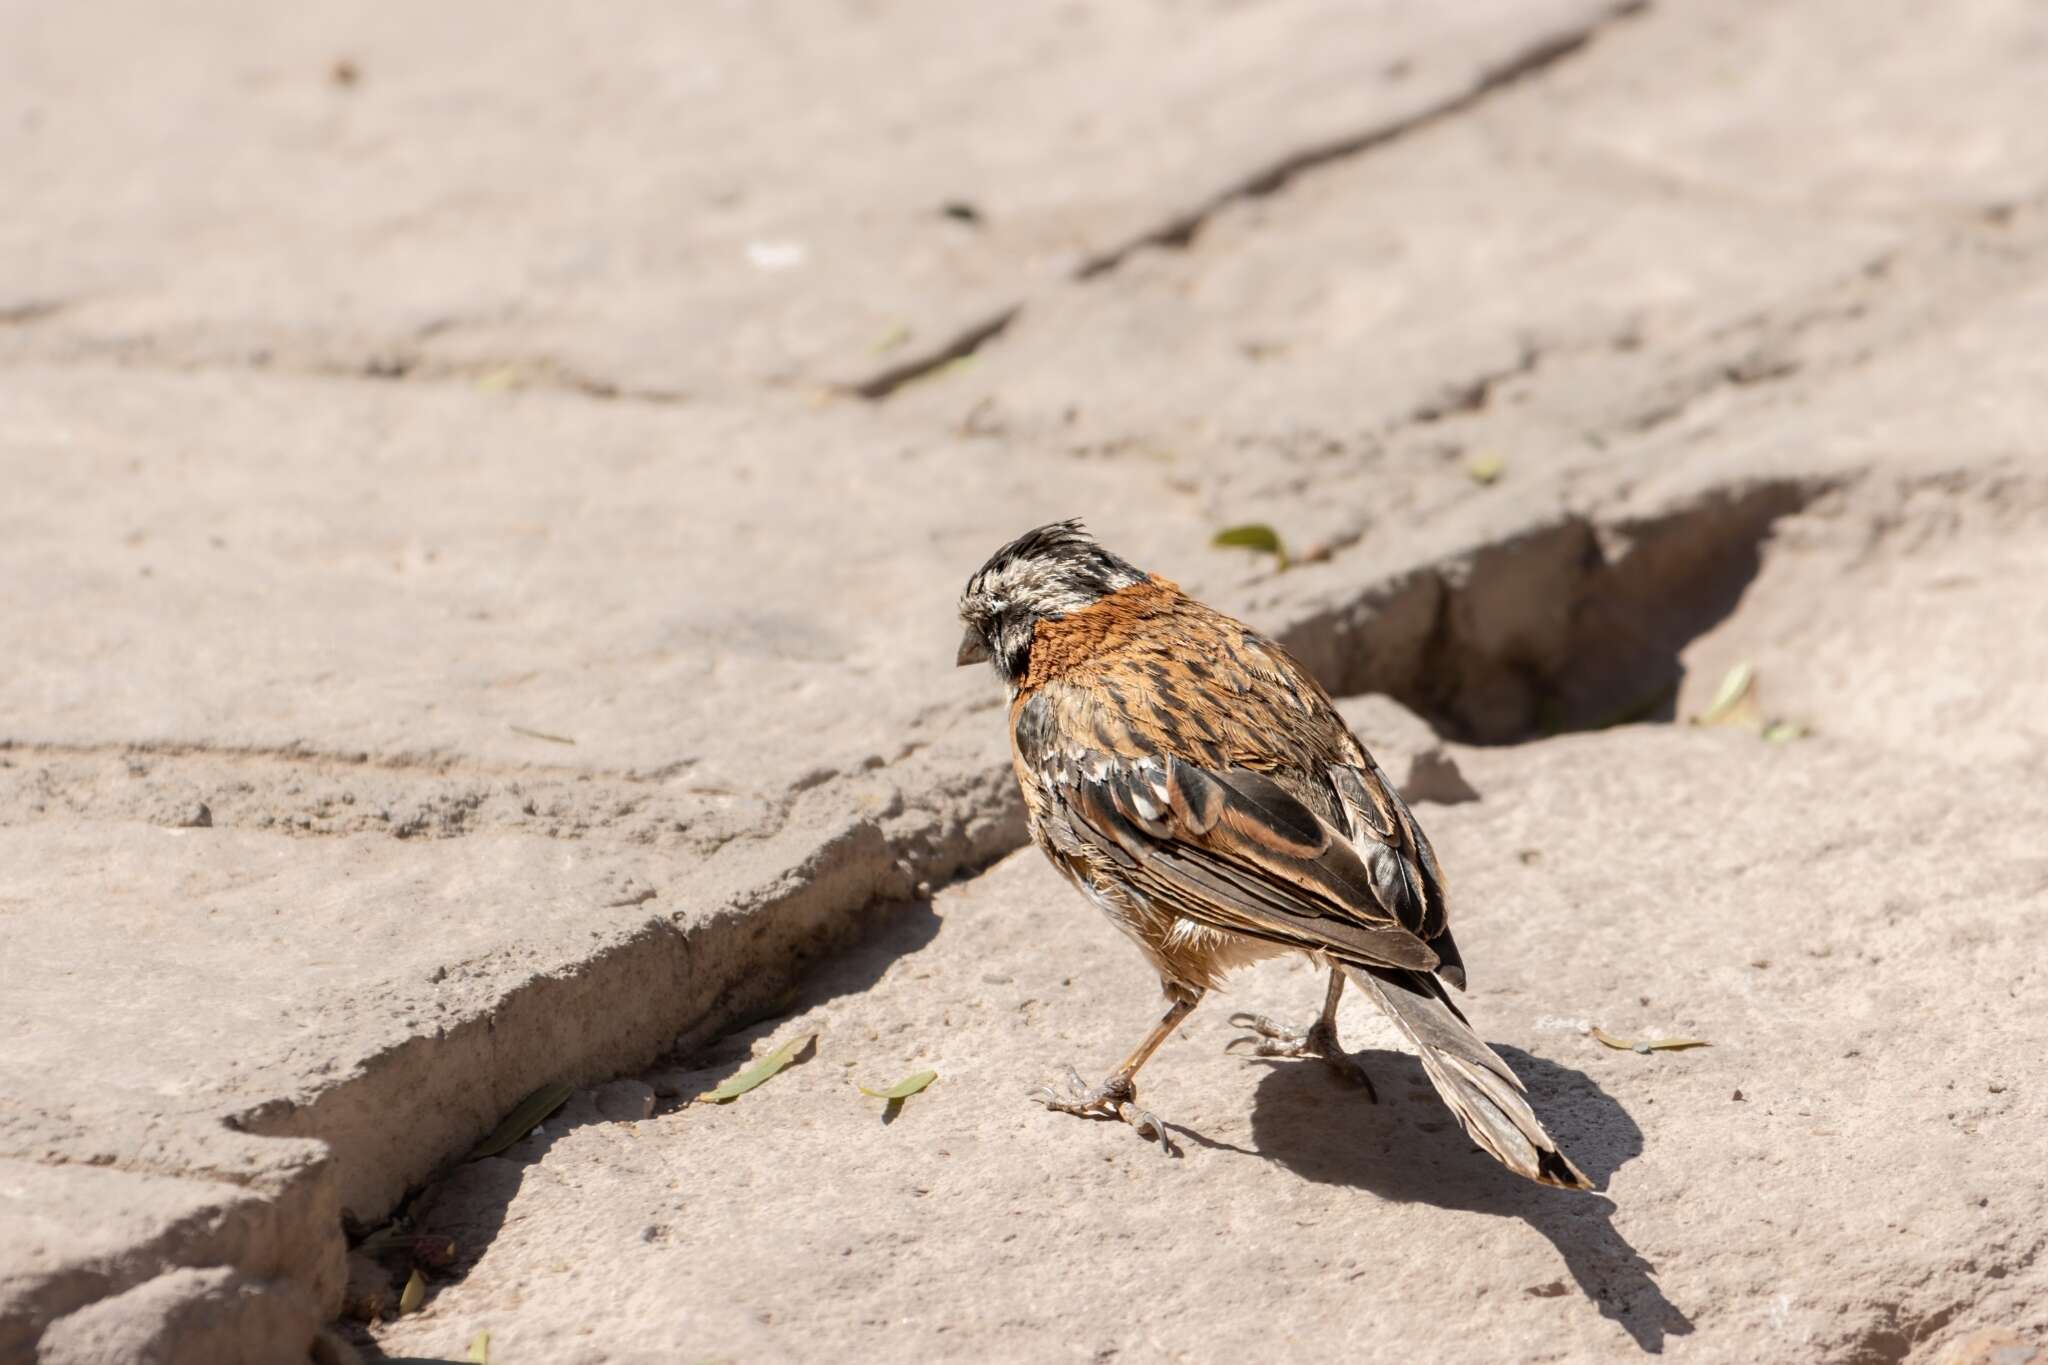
{"type": "Point", "coordinates": [485, 498]}
{"type": "Point", "coordinates": [754, 197]}
{"type": "Point", "coordinates": [1299, 1221]}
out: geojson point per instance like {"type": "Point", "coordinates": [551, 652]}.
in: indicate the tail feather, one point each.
{"type": "Point", "coordinates": [1473, 1080]}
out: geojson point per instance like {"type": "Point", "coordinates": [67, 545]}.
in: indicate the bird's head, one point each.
{"type": "Point", "coordinates": [1042, 575]}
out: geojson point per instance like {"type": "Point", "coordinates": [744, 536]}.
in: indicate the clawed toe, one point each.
{"type": "Point", "coordinates": [1093, 1101]}
{"type": "Point", "coordinates": [1318, 1040]}
{"type": "Point", "coordinates": [1271, 1031]}
{"type": "Point", "coordinates": [1270, 1038]}
{"type": "Point", "coordinates": [1113, 1099]}
{"type": "Point", "coordinates": [1144, 1121]}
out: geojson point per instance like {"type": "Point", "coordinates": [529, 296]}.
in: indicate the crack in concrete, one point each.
{"type": "Point", "coordinates": [963, 344]}
{"type": "Point", "coordinates": [302, 799]}
{"type": "Point", "coordinates": [513, 375]}
{"type": "Point", "coordinates": [1571, 624]}
{"type": "Point", "coordinates": [1473, 395]}
{"type": "Point", "coordinates": [1180, 230]}
{"type": "Point", "coordinates": [673, 983]}
{"type": "Point", "coordinates": [433, 761]}
{"type": "Point", "coordinates": [392, 364]}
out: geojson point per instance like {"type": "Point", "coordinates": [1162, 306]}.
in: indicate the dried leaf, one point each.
{"type": "Point", "coordinates": [1735, 689]}
{"type": "Point", "coordinates": [904, 1088]}
{"type": "Point", "coordinates": [1486, 469]}
{"type": "Point", "coordinates": [1253, 535]}
{"type": "Point", "coordinates": [525, 1116]}
{"type": "Point", "coordinates": [480, 1349]}
{"type": "Point", "coordinates": [415, 1294]}
{"type": "Point", "coordinates": [759, 1071]}
{"type": "Point", "coordinates": [1655, 1045]}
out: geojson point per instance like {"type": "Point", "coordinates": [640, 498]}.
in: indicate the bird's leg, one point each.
{"type": "Point", "coordinates": [1317, 1040]}
{"type": "Point", "coordinates": [1116, 1098]}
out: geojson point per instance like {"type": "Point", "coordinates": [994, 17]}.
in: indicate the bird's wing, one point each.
{"type": "Point", "coordinates": [1385, 834]}
{"type": "Point", "coordinates": [1232, 849]}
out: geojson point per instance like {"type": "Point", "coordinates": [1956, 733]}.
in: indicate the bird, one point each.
{"type": "Point", "coordinates": [1197, 784]}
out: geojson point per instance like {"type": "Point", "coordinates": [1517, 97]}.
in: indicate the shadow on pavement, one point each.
{"type": "Point", "coordinates": [1409, 1148]}
{"type": "Point", "coordinates": [468, 1202]}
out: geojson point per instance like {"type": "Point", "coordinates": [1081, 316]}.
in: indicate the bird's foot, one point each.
{"type": "Point", "coordinates": [1319, 1039]}
{"type": "Point", "coordinates": [1115, 1098]}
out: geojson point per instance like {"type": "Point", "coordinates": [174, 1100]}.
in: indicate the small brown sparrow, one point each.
{"type": "Point", "coordinates": [1196, 784]}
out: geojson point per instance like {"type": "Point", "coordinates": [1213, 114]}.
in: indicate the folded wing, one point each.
{"type": "Point", "coordinates": [1232, 849]}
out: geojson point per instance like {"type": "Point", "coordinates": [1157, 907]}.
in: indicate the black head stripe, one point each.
{"type": "Point", "coordinates": [1061, 556]}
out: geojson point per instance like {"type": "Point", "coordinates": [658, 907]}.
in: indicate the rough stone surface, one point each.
{"type": "Point", "coordinates": [189, 1317]}
{"type": "Point", "coordinates": [1803, 1187]}
{"type": "Point", "coordinates": [484, 499]}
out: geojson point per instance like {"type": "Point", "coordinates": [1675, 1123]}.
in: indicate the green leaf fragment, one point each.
{"type": "Point", "coordinates": [1486, 469]}
{"type": "Point", "coordinates": [480, 1349]}
{"type": "Point", "coordinates": [1655, 1045]}
{"type": "Point", "coordinates": [1250, 536]}
{"type": "Point", "coordinates": [1253, 535]}
{"type": "Point", "coordinates": [524, 1118]}
{"type": "Point", "coordinates": [904, 1088]}
{"type": "Point", "coordinates": [1736, 686]}
{"type": "Point", "coordinates": [415, 1294]}
{"type": "Point", "coordinates": [1784, 732]}
{"type": "Point", "coordinates": [759, 1071]}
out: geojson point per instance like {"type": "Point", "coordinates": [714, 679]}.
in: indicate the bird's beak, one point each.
{"type": "Point", "coordinates": [973, 649]}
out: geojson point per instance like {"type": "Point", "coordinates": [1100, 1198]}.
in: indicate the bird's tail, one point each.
{"type": "Point", "coordinates": [1476, 1083]}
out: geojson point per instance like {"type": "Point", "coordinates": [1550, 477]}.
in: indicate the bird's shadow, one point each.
{"type": "Point", "coordinates": [1409, 1148]}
